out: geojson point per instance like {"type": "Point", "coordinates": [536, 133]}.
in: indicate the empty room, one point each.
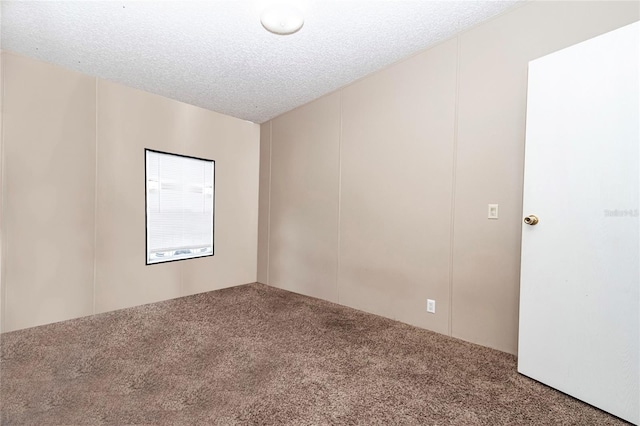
{"type": "Point", "coordinates": [320, 212]}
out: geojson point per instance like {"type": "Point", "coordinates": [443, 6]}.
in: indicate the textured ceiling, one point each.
{"type": "Point", "coordinates": [216, 54]}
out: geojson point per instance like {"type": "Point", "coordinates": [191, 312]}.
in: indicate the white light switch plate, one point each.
{"type": "Point", "coordinates": [492, 211]}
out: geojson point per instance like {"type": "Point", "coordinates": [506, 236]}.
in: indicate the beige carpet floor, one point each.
{"type": "Point", "coordinates": [255, 355]}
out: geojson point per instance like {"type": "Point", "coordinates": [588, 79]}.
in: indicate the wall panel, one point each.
{"type": "Point", "coordinates": [2, 286]}
{"type": "Point", "coordinates": [303, 239]}
{"type": "Point", "coordinates": [397, 154]}
{"type": "Point", "coordinates": [49, 122]}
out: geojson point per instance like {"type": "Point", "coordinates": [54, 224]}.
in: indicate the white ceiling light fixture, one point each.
{"type": "Point", "coordinates": [282, 19]}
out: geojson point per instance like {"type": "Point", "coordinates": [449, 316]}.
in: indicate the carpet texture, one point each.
{"type": "Point", "coordinates": [257, 355]}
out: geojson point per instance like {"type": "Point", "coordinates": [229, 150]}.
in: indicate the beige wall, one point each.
{"type": "Point", "coordinates": [73, 194]}
{"type": "Point", "coordinates": [378, 192]}
{"type": "Point", "coordinates": [49, 192]}
{"type": "Point", "coordinates": [394, 217]}
{"type": "Point", "coordinates": [2, 289]}
{"type": "Point", "coordinates": [303, 231]}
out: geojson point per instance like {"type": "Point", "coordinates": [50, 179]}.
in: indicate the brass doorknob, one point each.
{"type": "Point", "coordinates": [531, 219]}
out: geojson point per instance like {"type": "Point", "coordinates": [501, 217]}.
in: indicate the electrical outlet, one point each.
{"type": "Point", "coordinates": [431, 306]}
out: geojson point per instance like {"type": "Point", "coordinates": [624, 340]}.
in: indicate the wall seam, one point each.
{"type": "Point", "coordinates": [95, 208]}
{"type": "Point", "coordinates": [3, 245]}
{"type": "Point", "coordinates": [454, 164]}
{"type": "Point", "coordinates": [339, 199]}
{"type": "Point", "coordinates": [269, 206]}
{"type": "Point", "coordinates": [180, 282]}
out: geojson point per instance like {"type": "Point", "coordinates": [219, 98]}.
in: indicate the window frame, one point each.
{"type": "Point", "coordinates": [146, 219]}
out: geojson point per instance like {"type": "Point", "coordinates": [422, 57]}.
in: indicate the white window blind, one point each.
{"type": "Point", "coordinates": [180, 207]}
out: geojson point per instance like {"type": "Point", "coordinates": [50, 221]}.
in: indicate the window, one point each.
{"type": "Point", "coordinates": [179, 206]}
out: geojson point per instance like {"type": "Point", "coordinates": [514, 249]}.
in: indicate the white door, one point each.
{"type": "Point", "coordinates": [579, 320]}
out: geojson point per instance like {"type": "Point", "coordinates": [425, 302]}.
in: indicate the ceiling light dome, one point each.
{"type": "Point", "coordinates": [281, 19]}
